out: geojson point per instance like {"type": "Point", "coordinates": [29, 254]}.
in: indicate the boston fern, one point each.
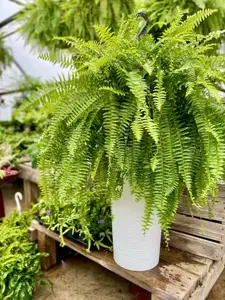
{"type": "Point", "coordinates": [138, 111]}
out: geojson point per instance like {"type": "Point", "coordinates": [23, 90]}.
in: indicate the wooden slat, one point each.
{"type": "Point", "coordinates": [196, 245]}
{"type": "Point", "coordinates": [28, 173]}
{"type": "Point", "coordinates": [31, 193]}
{"type": "Point", "coordinates": [204, 214]}
{"type": "Point", "coordinates": [32, 234]}
{"type": "Point", "coordinates": [192, 263]}
{"type": "Point", "coordinates": [202, 228]}
{"type": "Point", "coordinates": [47, 245]}
{"type": "Point", "coordinates": [210, 279]}
{"type": "Point", "coordinates": [218, 213]}
{"type": "Point", "coordinates": [166, 281]}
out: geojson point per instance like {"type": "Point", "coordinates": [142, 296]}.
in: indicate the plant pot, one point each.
{"type": "Point", "coordinates": [133, 249]}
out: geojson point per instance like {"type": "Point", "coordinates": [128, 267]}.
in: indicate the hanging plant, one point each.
{"type": "Point", "coordinates": [43, 20]}
{"type": "Point", "coordinates": [140, 111]}
{"type": "Point", "coordinates": [162, 12]}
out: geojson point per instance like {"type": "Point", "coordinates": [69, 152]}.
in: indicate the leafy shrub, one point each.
{"type": "Point", "coordinates": [20, 269]}
{"type": "Point", "coordinates": [88, 220]}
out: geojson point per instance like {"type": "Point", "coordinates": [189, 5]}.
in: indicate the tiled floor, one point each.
{"type": "Point", "coordinates": [80, 279]}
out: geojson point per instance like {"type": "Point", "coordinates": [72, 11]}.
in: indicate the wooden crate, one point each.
{"type": "Point", "coordinates": [199, 234]}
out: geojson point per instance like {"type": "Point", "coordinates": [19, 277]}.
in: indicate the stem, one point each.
{"type": "Point", "coordinates": [17, 2]}
{"type": "Point", "coordinates": [13, 91]}
{"type": "Point", "coordinates": [8, 34]}
{"type": "Point", "coordinates": [9, 19]}
{"type": "Point", "coordinates": [19, 67]}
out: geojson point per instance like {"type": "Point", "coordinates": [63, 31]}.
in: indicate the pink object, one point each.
{"type": "Point", "coordinates": [10, 175]}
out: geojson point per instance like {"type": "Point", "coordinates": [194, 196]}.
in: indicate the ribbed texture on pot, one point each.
{"type": "Point", "coordinates": [134, 250]}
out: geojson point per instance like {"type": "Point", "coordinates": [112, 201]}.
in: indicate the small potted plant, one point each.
{"type": "Point", "coordinates": [138, 122]}
{"type": "Point", "coordinates": [7, 172]}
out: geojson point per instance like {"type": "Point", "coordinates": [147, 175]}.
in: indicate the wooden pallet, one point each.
{"type": "Point", "coordinates": [179, 275]}
{"type": "Point", "coordinates": [199, 234]}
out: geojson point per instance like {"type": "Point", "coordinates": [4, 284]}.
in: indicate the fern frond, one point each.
{"type": "Point", "coordinates": [159, 94]}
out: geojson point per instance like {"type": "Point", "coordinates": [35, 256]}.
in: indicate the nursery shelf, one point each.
{"type": "Point", "coordinates": [179, 275]}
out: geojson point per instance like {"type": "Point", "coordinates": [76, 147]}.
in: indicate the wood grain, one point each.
{"type": "Point", "coordinates": [168, 281]}
{"type": "Point", "coordinates": [218, 213]}
{"type": "Point", "coordinates": [32, 234]}
{"type": "Point", "coordinates": [48, 245]}
{"type": "Point", "coordinates": [210, 279]}
{"type": "Point", "coordinates": [31, 193]}
{"type": "Point", "coordinates": [192, 263]}
{"type": "Point", "coordinates": [199, 227]}
{"type": "Point", "coordinates": [196, 245]}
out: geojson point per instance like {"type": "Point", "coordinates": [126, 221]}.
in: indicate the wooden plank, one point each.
{"type": "Point", "coordinates": [218, 206]}
{"type": "Point", "coordinates": [166, 280]}
{"type": "Point", "coordinates": [34, 192]}
{"type": "Point", "coordinates": [203, 214]}
{"type": "Point", "coordinates": [218, 212]}
{"type": "Point", "coordinates": [28, 173]}
{"type": "Point", "coordinates": [27, 193]}
{"type": "Point", "coordinates": [48, 245]}
{"type": "Point", "coordinates": [192, 263]}
{"type": "Point", "coordinates": [31, 193]}
{"type": "Point", "coordinates": [210, 279]}
{"type": "Point", "coordinates": [196, 245]}
{"type": "Point", "coordinates": [32, 234]}
{"type": "Point", "coordinates": [199, 227]}
{"type": "Point", "coordinates": [154, 297]}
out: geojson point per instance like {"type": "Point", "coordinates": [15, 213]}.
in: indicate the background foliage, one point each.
{"type": "Point", "coordinates": [43, 20]}
{"type": "Point", "coordinates": [20, 268]}
{"type": "Point", "coordinates": [162, 12]}
{"type": "Point", "coordinates": [23, 132]}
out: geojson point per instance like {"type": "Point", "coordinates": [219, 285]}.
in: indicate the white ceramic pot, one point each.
{"type": "Point", "coordinates": [134, 250]}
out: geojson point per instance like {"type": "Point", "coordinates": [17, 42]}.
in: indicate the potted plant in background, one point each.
{"type": "Point", "coordinates": [137, 122]}
{"type": "Point", "coordinates": [163, 12]}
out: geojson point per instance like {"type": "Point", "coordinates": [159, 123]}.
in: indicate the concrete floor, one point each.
{"type": "Point", "coordinates": [80, 279]}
